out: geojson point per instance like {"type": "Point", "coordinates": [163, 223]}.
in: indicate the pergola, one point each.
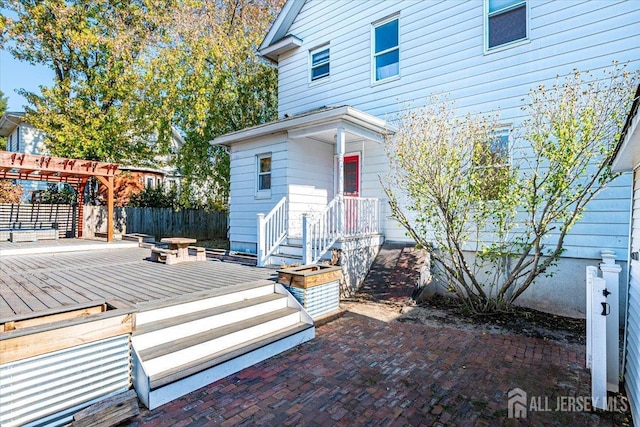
{"type": "Point", "coordinates": [75, 172]}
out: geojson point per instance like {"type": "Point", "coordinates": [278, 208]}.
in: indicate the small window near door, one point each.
{"type": "Point", "coordinates": [319, 63]}
{"type": "Point", "coordinates": [264, 173]}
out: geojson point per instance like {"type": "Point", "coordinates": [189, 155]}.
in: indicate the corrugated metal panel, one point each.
{"type": "Point", "coordinates": [318, 300]}
{"type": "Point", "coordinates": [47, 390]}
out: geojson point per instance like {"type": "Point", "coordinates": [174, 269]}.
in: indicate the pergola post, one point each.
{"type": "Point", "coordinates": [108, 182]}
{"type": "Point", "coordinates": [80, 192]}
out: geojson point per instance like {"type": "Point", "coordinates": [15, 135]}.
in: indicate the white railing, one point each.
{"type": "Point", "coordinates": [272, 230]}
{"type": "Point", "coordinates": [361, 216]}
{"type": "Point", "coordinates": [343, 217]}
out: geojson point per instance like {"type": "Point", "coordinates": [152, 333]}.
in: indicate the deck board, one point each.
{"type": "Point", "coordinates": [37, 282]}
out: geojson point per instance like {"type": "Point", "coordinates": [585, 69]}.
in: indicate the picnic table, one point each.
{"type": "Point", "coordinates": [178, 251]}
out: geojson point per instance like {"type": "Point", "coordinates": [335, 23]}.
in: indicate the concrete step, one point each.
{"type": "Point", "coordinates": [180, 347]}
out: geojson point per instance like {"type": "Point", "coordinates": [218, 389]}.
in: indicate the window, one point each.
{"type": "Point", "coordinates": [506, 22]}
{"type": "Point", "coordinates": [264, 172]}
{"type": "Point", "coordinates": [386, 49]}
{"type": "Point", "coordinates": [149, 182]}
{"type": "Point", "coordinates": [491, 165]}
{"type": "Point", "coordinates": [319, 63]}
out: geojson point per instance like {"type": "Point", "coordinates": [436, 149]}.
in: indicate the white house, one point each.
{"type": "Point", "coordinates": [628, 159]}
{"type": "Point", "coordinates": [23, 138]}
{"type": "Point", "coordinates": [346, 68]}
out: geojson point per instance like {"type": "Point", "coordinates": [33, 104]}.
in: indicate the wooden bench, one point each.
{"type": "Point", "coordinates": [23, 236]}
{"type": "Point", "coordinates": [168, 256]}
{"type": "Point", "coordinates": [28, 231]}
{"type": "Point", "coordinates": [200, 252]}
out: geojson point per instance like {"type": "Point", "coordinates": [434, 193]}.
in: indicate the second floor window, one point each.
{"type": "Point", "coordinates": [386, 49]}
{"type": "Point", "coordinates": [319, 63]}
{"type": "Point", "coordinates": [506, 22]}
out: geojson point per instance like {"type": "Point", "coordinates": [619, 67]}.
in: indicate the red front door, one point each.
{"type": "Point", "coordinates": [351, 176]}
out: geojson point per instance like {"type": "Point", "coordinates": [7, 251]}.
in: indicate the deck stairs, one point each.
{"type": "Point", "coordinates": [289, 252]}
{"type": "Point", "coordinates": [182, 345]}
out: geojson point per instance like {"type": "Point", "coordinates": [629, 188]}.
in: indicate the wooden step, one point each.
{"type": "Point", "coordinates": [184, 370]}
{"type": "Point", "coordinates": [190, 348]}
{"type": "Point", "coordinates": [162, 331]}
{"type": "Point", "coordinates": [171, 307]}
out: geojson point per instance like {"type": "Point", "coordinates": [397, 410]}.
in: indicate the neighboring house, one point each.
{"type": "Point", "coordinates": [347, 68]}
{"type": "Point", "coordinates": [628, 159]}
{"type": "Point", "coordinates": [24, 138]}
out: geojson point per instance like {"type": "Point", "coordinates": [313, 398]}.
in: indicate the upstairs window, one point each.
{"type": "Point", "coordinates": [264, 172]}
{"type": "Point", "coordinates": [386, 49]}
{"type": "Point", "coordinates": [319, 59]}
{"type": "Point", "coordinates": [506, 22]}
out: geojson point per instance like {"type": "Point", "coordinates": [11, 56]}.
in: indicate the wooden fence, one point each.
{"type": "Point", "coordinates": [159, 223]}
{"type": "Point", "coordinates": [65, 216]}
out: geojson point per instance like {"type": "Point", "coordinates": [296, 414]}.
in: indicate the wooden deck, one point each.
{"type": "Point", "coordinates": [38, 282]}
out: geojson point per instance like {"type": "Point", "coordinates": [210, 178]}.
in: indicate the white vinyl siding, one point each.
{"type": "Point", "coordinates": [243, 204]}
{"type": "Point", "coordinates": [632, 365]}
{"type": "Point", "coordinates": [442, 46]}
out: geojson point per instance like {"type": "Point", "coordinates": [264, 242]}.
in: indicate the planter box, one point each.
{"type": "Point", "coordinates": [308, 276]}
{"type": "Point", "coordinates": [316, 287]}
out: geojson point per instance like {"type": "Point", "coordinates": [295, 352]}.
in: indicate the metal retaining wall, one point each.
{"type": "Point", "coordinates": [47, 390]}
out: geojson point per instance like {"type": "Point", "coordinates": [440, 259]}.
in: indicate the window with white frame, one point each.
{"type": "Point", "coordinates": [491, 162]}
{"type": "Point", "coordinates": [264, 172]}
{"type": "Point", "coordinates": [149, 183]}
{"type": "Point", "coordinates": [506, 22]}
{"type": "Point", "coordinates": [319, 61]}
{"type": "Point", "coordinates": [386, 49]}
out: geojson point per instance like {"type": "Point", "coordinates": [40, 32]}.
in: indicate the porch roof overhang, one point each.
{"type": "Point", "coordinates": [320, 124]}
{"type": "Point", "coordinates": [627, 155]}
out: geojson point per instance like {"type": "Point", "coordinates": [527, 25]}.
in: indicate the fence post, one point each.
{"type": "Point", "coordinates": [306, 243]}
{"type": "Point", "coordinates": [592, 272]}
{"type": "Point", "coordinates": [599, 357]}
{"type": "Point", "coordinates": [261, 240]}
{"type": "Point", "coordinates": [610, 273]}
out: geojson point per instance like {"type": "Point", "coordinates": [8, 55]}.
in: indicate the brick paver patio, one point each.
{"type": "Point", "coordinates": [360, 371]}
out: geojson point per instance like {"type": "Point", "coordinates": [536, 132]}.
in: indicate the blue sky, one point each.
{"type": "Point", "coordinates": [16, 74]}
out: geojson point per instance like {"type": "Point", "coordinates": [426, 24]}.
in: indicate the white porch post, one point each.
{"type": "Point", "coordinates": [340, 150]}
{"type": "Point", "coordinates": [610, 273]}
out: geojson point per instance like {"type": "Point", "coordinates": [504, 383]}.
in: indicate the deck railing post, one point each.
{"type": "Point", "coordinates": [261, 240]}
{"type": "Point", "coordinates": [306, 240]}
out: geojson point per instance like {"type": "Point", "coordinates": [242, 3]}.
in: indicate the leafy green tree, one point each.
{"type": "Point", "coordinates": [97, 107]}
{"type": "Point", "coordinates": [3, 103]}
{"type": "Point", "coordinates": [128, 70]}
{"type": "Point", "coordinates": [222, 85]}
{"type": "Point", "coordinates": [492, 227]}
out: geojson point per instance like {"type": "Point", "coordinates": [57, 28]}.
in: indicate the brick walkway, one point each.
{"type": "Point", "coordinates": [394, 273]}
{"type": "Point", "coordinates": [364, 372]}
